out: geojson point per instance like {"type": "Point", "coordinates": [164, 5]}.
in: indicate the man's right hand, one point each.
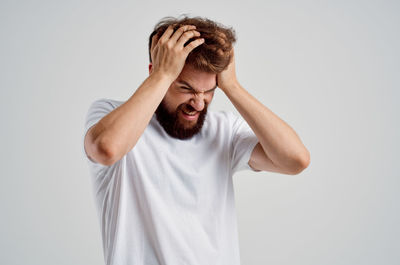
{"type": "Point", "coordinates": [168, 53]}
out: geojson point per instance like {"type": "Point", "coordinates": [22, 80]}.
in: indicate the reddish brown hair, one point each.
{"type": "Point", "coordinates": [213, 56]}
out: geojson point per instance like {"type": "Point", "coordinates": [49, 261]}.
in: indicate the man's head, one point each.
{"type": "Point", "coordinates": [193, 90]}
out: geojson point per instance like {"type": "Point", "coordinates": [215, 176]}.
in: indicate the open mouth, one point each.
{"type": "Point", "coordinates": [190, 115]}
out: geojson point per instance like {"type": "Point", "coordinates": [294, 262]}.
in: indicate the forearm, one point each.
{"type": "Point", "coordinates": [119, 131]}
{"type": "Point", "coordinates": [278, 140]}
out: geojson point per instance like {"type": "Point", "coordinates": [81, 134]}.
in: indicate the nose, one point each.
{"type": "Point", "coordinates": [197, 102]}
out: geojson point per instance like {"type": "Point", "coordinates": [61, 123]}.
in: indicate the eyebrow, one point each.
{"type": "Point", "coordinates": [186, 84]}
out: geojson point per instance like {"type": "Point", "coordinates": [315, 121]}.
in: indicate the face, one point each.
{"type": "Point", "coordinates": [183, 109]}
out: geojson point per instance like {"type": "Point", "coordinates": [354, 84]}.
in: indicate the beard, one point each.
{"type": "Point", "coordinates": [174, 125]}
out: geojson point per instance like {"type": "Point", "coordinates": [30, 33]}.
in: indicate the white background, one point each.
{"type": "Point", "coordinates": [330, 69]}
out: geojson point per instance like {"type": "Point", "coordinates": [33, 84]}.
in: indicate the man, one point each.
{"type": "Point", "coordinates": [162, 165]}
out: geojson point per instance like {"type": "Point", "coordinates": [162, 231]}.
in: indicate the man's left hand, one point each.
{"type": "Point", "coordinates": [227, 78]}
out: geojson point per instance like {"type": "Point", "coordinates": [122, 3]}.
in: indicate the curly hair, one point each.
{"type": "Point", "coordinates": [213, 56]}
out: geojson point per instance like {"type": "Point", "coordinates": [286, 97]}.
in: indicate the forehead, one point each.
{"type": "Point", "coordinates": [199, 80]}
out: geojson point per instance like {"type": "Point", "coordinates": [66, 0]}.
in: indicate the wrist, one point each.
{"type": "Point", "coordinates": [232, 86]}
{"type": "Point", "coordinates": [162, 77]}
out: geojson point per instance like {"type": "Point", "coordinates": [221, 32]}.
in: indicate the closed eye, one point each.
{"type": "Point", "coordinates": [192, 91]}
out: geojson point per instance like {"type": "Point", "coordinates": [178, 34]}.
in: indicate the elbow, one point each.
{"type": "Point", "coordinates": [107, 160]}
{"type": "Point", "coordinates": [106, 155]}
{"type": "Point", "coordinates": [111, 152]}
{"type": "Point", "coordinates": [302, 163]}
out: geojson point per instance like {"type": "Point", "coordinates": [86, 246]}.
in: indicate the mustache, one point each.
{"type": "Point", "coordinates": [190, 108]}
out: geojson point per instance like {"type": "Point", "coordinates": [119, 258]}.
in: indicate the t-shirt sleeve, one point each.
{"type": "Point", "coordinates": [106, 179]}
{"type": "Point", "coordinates": [243, 142]}
{"type": "Point", "coordinates": [97, 110]}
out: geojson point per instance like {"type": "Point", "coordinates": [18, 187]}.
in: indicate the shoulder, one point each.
{"type": "Point", "coordinates": [222, 116]}
{"type": "Point", "coordinates": [222, 120]}
{"type": "Point", "coordinates": [98, 109]}
{"type": "Point", "coordinates": [103, 106]}
{"type": "Point", "coordinates": [106, 103]}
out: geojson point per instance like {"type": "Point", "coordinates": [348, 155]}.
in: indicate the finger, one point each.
{"type": "Point", "coordinates": [193, 44]}
{"type": "Point", "coordinates": [154, 46]}
{"type": "Point", "coordinates": [154, 41]}
{"type": "Point", "coordinates": [181, 31]}
{"type": "Point", "coordinates": [167, 33]}
{"type": "Point", "coordinates": [154, 54]}
{"type": "Point", "coordinates": [186, 36]}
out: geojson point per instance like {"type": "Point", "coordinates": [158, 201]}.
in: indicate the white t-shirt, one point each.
{"type": "Point", "coordinates": [170, 201]}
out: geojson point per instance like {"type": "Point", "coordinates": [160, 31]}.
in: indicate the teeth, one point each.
{"type": "Point", "coordinates": [190, 113]}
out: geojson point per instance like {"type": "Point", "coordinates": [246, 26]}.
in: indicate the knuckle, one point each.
{"type": "Point", "coordinates": [190, 46]}
{"type": "Point", "coordinates": [189, 33]}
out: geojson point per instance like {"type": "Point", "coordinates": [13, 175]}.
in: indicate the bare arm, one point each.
{"type": "Point", "coordinates": [118, 132]}
{"type": "Point", "coordinates": [280, 148]}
